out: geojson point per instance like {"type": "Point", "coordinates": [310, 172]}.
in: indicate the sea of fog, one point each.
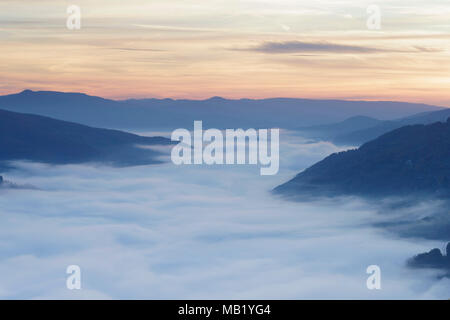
{"type": "Point", "coordinates": [197, 232]}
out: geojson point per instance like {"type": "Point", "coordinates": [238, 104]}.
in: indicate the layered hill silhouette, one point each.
{"type": "Point", "coordinates": [357, 130]}
{"type": "Point", "coordinates": [329, 132]}
{"type": "Point", "coordinates": [432, 259]}
{"type": "Point", "coordinates": [409, 161]}
{"type": "Point", "coordinates": [215, 112]}
{"type": "Point", "coordinates": [42, 139]}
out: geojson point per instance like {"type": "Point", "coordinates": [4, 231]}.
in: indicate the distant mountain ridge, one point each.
{"type": "Point", "coordinates": [330, 131]}
{"type": "Point", "coordinates": [216, 112]}
{"type": "Point", "coordinates": [358, 130]}
{"type": "Point", "coordinates": [43, 139]}
{"type": "Point", "coordinates": [409, 161]}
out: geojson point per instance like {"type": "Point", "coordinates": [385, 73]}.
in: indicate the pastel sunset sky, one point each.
{"type": "Point", "coordinates": [232, 48]}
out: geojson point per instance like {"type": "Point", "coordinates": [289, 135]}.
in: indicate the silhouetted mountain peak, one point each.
{"type": "Point", "coordinates": [359, 118]}
{"type": "Point", "coordinates": [431, 259]}
{"type": "Point", "coordinates": [42, 139]}
{"type": "Point", "coordinates": [217, 99]}
{"type": "Point", "coordinates": [410, 161]}
{"type": "Point", "coordinates": [329, 131]}
{"type": "Point", "coordinates": [361, 135]}
{"type": "Point", "coordinates": [164, 114]}
{"type": "Point", "coordinates": [27, 93]}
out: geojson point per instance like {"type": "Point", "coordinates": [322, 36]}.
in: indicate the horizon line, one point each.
{"type": "Point", "coordinates": [359, 99]}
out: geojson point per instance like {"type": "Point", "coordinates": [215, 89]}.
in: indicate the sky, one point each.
{"type": "Point", "coordinates": [168, 232]}
{"type": "Point", "coordinates": [249, 48]}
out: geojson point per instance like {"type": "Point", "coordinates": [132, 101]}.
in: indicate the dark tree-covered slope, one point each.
{"type": "Point", "coordinates": [42, 139]}
{"type": "Point", "coordinates": [412, 160]}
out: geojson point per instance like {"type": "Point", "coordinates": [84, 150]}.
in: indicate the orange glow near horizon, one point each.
{"type": "Point", "coordinates": [235, 49]}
